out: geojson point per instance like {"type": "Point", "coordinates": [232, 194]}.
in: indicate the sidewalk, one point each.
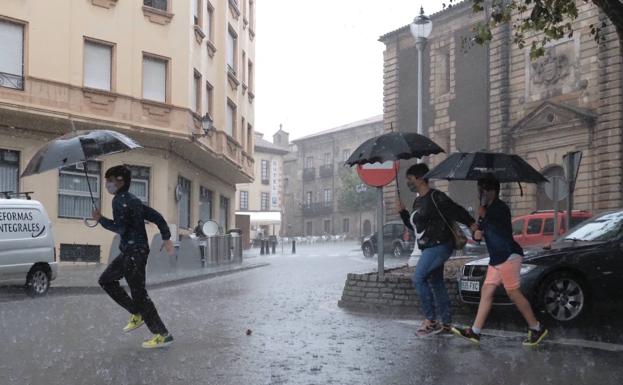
{"type": "Point", "coordinates": [83, 278]}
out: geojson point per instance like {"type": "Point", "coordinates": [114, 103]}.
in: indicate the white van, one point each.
{"type": "Point", "coordinates": [27, 253]}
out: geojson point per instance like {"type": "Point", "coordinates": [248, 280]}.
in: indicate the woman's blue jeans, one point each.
{"type": "Point", "coordinates": [428, 281]}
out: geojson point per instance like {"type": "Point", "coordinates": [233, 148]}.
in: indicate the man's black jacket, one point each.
{"type": "Point", "coordinates": [428, 219]}
{"type": "Point", "coordinates": [129, 216]}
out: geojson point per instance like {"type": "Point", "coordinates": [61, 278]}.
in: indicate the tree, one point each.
{"type": "Point", "coordinates": [553, 18]}
{"type": "Point", "coordinates": [352, 201]}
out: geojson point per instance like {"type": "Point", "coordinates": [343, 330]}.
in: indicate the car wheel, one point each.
{"type": "Point", "coordinates": [398, 251]}
{"type": "Point", "coordinates": [564, 297]}
{"type": "Point", "coordinates": [37, 281]}
{"type": "Point", "coordinates": [368, 252]}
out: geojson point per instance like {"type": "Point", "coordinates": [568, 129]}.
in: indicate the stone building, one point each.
{"type": "Point", "coordinates": [313, 174]}
{"type": "Point", "coordinates": [262, 200]}
{"type": "Point", "coordinates": [150, 69]}
{"type": "Point", "coordinates": [495, 97]}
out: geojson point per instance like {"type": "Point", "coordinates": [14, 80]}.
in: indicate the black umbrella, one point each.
{"type": "Point", "coordinates": [475, 165]}
{"type": "Point", "coordinates": [393, 146]}
{"type": "Point", "coordinates": [78, 147]}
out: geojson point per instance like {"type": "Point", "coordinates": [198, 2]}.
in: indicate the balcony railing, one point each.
{"type": "Point", "coordinates": [309, 173]}
{"type": "Point", "coordinates": [317, 208]}
{"type": "Point", "coordinates": [11, 81]}
{"type": "Point", "coordinates": [326, 171]}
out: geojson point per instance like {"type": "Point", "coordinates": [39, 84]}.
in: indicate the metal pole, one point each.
{"type": "Point", "coordinates": [420, 44]}
{"type": "Point", "coordinates": [379, 239]}
{"type": "Point", "coordinates": [555, 195]}
{"type": "Point", "coordinates": [570, 190]}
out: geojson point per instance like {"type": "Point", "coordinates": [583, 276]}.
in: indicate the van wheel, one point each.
{"type": "Point", "coordinates": [37, 282]}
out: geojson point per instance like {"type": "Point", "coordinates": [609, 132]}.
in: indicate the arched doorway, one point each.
{"type": "Point", "coordinates": [542, 200]}
{"type": "Point", "coordinates": [367, 227]}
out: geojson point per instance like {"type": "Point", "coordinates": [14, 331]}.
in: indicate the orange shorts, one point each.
{"type": "Point", "coordinates": [506, 273]}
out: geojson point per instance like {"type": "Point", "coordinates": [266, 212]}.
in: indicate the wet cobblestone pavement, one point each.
{"type": "Point", "coordinates": [299, 336]}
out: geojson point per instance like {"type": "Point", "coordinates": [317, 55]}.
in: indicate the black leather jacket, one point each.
{"type": "Point", "coordinates": [129, 216]}
{"type": "Point", "coordinates": [428, 219]}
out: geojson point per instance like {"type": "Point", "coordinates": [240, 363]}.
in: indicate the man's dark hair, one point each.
{"type": "Point", "coordinates": [418, 170]}
{"type": "Point", "coordinates": [489, 182]}
{"type": "Point", "coordinates": [120, 172]}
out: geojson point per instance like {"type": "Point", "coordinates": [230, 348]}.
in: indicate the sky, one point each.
{"type": "Point", "coordinates": [319, 64]}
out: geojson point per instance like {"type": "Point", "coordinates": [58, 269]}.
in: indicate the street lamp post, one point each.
{"type": "Point", "coordinates": [420, 29]}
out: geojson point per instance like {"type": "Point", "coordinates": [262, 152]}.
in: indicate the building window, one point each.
{"type": "Point", "coordinates": [309, 162]}
{"type": "Point", "coordinates": [443, 72]}
{"type": "Point", "coordinates": [327, 158]}
{"type": "Point", "coordinates": [264, 172]}
{"type": "Point", "coordinates": [232, 49]}
{"type": "Point", "coordinates": [327, 226]}
{"type": "Point", "coordinates": [244, 67]}
{"type": "Point", "coordinates": [9, 171]}
{"type": "Point", "coordinates": [155, 79]}
{"type": "Point", "coordinates": [249, 138]}
{"type": "Point", "coordinates": [230, 127]}
{"type": "Point", "coordinates": [309, 228]}
{"type": "Point", "coordinates": [12, 57]}
{"type": "Point", "coordinates": [250, 74]}
{"type": "Point", "coordinates": [243, 123]}
{"type": "Point", "coordinates": [205, 203]}
{"type": "Point", "coordinates": [210, 21]}
{"type": "Point", "coordinates": [98, 65]}
{"type": "Point", "coordinates": [327, 196]}
{"type": "Point", "coordinates": [265, 201]}
{"type": "Point", "coordinates": [244, 200]}
{"type": "Point", "coordinates": [209, 98]}
{"type": "Point", "coordinates": [224, 213]}
{"type": "Point", "coordinates": [309, 196]}
{"type": "Point", "coordinates": [74, 199]}
{"type": "Point", "coordinates": [197, 12]}
{"type": "Point", "coordinates": [140, 183]}
{"type": "Point", "coordinates": [184, 202]}
{"type": "Point", "coordinates": [252, 14]}
{"type": "Point", "coordinates": [196, 92]}
{"type": "Point", "coordinates": [158, 4]}
{"type": "Point", "coordinates": [345, 154]}
{"type": "Point", "coordinates": [345, 225]}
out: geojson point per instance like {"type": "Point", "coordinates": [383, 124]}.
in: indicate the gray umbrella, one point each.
{"type": "Point", "coordinates": [78, 147]}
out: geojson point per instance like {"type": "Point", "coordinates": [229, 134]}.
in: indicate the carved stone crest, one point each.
{"type": "Point", "coordinates": [550, 69]}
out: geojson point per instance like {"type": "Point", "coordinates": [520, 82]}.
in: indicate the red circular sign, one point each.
{"type": "Point", "coordinates": [378, 174]}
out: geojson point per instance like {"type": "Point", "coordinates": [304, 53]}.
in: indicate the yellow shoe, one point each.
{"type": "Point", "coordinates": [158, 341]}
{"type": "Point", "coordinates": [135, 322]}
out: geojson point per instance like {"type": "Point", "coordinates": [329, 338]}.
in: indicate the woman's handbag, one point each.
{"type": "Point", "coordinates": [459, 239]}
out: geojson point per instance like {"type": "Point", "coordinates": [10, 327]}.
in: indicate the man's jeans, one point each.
{"type": "Point", "coordinates": [428, 279]}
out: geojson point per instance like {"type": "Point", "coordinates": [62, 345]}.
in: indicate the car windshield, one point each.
{"type": "Point", "coordinates": [603, 228]}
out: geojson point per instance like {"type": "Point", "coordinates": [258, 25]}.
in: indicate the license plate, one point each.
{"type": "Point", "coordinates": [470, 285]}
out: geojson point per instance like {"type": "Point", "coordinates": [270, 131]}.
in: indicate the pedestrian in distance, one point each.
{"type": "Point", "coordinates": [129, 216]}
{"type": "Point", "coordinates": [433, 212]}
{"type": "Point", "coordinates": [505, 258]}
{"type": "Point", "coordinates": [199, 229]}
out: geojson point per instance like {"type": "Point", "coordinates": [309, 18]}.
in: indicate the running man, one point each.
{"type": "Point", "coordinates": [505, 257]}
{"type": "Point", "coordinates": [129, 216]}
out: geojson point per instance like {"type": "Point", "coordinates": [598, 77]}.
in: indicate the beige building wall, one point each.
{"type": "Point", "coordinates": [55, 101]}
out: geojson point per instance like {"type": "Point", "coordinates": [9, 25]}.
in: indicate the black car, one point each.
{"type": "Point", "coordinates": [582, 268]}
{"type": "Point", "coordinates": [398, 240]}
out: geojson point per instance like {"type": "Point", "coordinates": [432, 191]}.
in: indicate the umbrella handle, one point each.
{"type": "Point", "coordinates": [86, 220]}
{"type": "Point", "coordinates": [87, 224]}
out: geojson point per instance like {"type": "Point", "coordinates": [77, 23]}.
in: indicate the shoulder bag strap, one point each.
{"type": "Point", "coordinates": [432, 197]}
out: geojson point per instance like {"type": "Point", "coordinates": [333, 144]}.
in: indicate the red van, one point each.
{"type": "Point", "coordinates": [537, 229]}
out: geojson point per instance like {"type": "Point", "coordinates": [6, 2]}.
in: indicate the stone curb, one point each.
{"type": "Point", "coordinates": [64, 290]}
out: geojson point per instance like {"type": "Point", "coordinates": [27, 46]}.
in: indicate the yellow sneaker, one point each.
{"type": "Point", "coordinates": [135, 322]}
{"type": "Point", "coordinates": [158, 341]}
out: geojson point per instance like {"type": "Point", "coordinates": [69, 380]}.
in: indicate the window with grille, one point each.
{"type": "Point", "coordinates": [12, 57]}
{"type": "Point", "coordinates": [139, 186]}
{"type": "Point", "coordinates": [205, 203]}
{"type": "Point", "coordinates": [9, 170]}
{"type": "Point", "coordinates": [244, 200]}
{"type": "Point", "coordinates": [264, 172]}
{"type": "Point", "coordinates": [327, 196]}
{"type": "Point", "coordinates": [184, 202]}
{"type": "Point", "coordinates": [74, 199]}
{"type": "Point", "coordinates": [265, 201]}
